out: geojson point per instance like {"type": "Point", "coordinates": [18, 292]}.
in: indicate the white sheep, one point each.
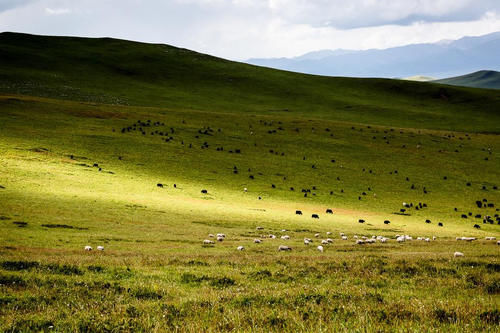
{"type": "Point", "coordinates": [259, 228]}
{"type": "Point", "coordinates": [360, 241]}
{"type": "Point", "coordinates": [88, 248]}
{"type": "Point", "coordinates": [328, 233]}
{"type": "Point", "coordinates": [245, 189]}
{"type": "Point", "coordinates": [221, 235]}
{"type": "Point", "coordinates": [316, 235]}
{"type": "Point", "coordinates": [211, 235]}
{"type": "Point", "coordinates": [272, 236]}
{"type": "Point", "coordinates": [320, 248]}
{"type": "Point", "coordinates": [458, 254]}
{"type": "Point", "coordinates": [257, 241]}
{"type": "Point", "coordinates": [427, 239]}
{"type": "Point", "coordinates": [498, 242]}
{"type": "Point", "coordinates": [383, 240]}
{"type": "Point", "coordinates": [208, 241]}
{"type": "Point", "coordinates": [220, 239]}
{"type": "Point", "coordinates": [284, 230]}
{"type": "Point", "coordinates": [284, 248]}
{"type": "Point", "coordinates": [355, 236]}
{"type": "Point", "coordinates": [240, 248]}
{"type": "Point", "coordinates": [306, 241]}
{"type": "Point", "coordinates": [285, 237]}
{"type": "Point", "coordinates": [491, 238]}
{"type": "Point", "coordinates": [324, 242]}
{"type": "Point", "coordinates": [342, 234]}
{"type": "Point", "coordinates": [329, 240]}
{"type": "Point", "coordinates": [434, 237]}
{"type": "Point", "coordinates": [344, 237]}
{"type": "Point", "coordinates": [400, 239]}
{"type": "Point", "coordinates": [100, 248]}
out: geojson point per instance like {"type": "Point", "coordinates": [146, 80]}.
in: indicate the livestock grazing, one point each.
{"type": "Point", "coordinates": [387, 222]}
{"type": "Point", "coordinates": [285, 237]}
{"type": "Point", "coordinates": [427, 221]}
{"type": "Point", "coordinates": [211, 235]}
{"type": "Point", "coordinates": [204, 191]}
{"type": "Point", "coordinates": [477, 226]}
{"type": "Point", "coordinates": [257, 241]}
{"type": "Point", "coordinates": [329, 211]}
{"type": "Point", "coordinates": [307, 241]}
{"type": "Point", "coordinates": [159, 185]}
{"type": "Point", "coordinates": [324, 242]}
{"type": "Point", "coordinates": [208, 242]}
{"type": "Point", "coordinates": [245, 189]}
{"type": "Point", "coordinates": [272, 236]}
{"type": "Point", "coordinates": [298, 212]}
{"type": "Point", "coordinates": [284, 248]}
{"type": "Point", "coordinates": [221, 235]}
{"type": "Point", "coordinates": [360, 241]}
{"type": "Point", "coordinates": [329, 240]}
{"type": "Point", "coordinates": [361, 221]}
{"type": "Point", "coordinates": [259, 228]}
{"type": "Point", "coordinates": [88, 248]}
{"type": "Point", "coordinates": [328, 232]}
{"type": "Point", "coordinates": [315, 216]}
{"type": "Point", "coordinates": [100, 248]}
{"type": "Point", "coordinates": [440, 224]}
{"type": "Point", "coordinates": [464, 216]}
{"type": "Point", "coordinates": [240, 248]}
{"type": "Point", "coordinates": [490, 238]}
{"type": "Point", "coordinates": [260, 198]}
{"type": "Point", "coordinates": [344, 237]}
{"type": "Point", "coordinates": [320, 248]}
{"type": "Point", "coordinates": [458, 254]}
{"type": "Point", "coordinates": [220, 239]}
{"type": "Point", "coordinates": [400, 239]}
{"type": "Point", "coordinates": [316, 235]}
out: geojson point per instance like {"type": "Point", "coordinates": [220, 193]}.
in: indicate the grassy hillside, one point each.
{"type": "Point", "coordinates": [480, 79]}
{"type": "Point", "coordinates": [127, 73]}
{"type": "Point", "coordinates": [83, 147]}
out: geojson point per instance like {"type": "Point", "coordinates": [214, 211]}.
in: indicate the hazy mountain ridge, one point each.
{"type": "Point", "coordinates": [440, 60]}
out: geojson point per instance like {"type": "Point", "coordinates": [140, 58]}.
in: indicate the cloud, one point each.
{"type": "Point", "coordinates": [57, 11]}
{"type": "Point", "coordinates": [10, 4]}
{"type": "Point", "coordinates": [241, 29]}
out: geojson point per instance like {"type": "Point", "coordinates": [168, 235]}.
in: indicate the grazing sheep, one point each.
{"type": "Point", "coordinates": [491, 238]}
{"type": "Point", "coordinates": [316, 235]}
{"type": "Point", "coordinates": [272, 236]}
{"type": "Point", "coordinates": [240, 248]}
{"type": "Point", "coordinates": [208, 241]}
{"type": "Point", "coordinates": [211, 235]}
{"type": "Point", "coordinates": [257, 241]}
{"type": "Point", "coordinates": [306, 241]}
{"type": "Point", "coordinates": [342, 234]}
{"type": "Point", "coordinates": [245, 189]}
{"type": "Point", "coordinates": [220, 239]}
{"type": "Point", "coordinates": [383, 240]}
{"type": "Point", "coordinates": [400, 239]}
{"type": "Point", "coordinates": [498, 242]}
{"type": "Point", "coordinates": [328, 233]}
{"type": "Point", "coordinates": [427, 239]}
{"type": "Point", "coordinates": [434, 237]}
{"type": "Point", "coordinates": [324, 242]}
{"type": "Point", "coordinates": [88, 248]}
{"type": "Point", "coordinates": [344, 237]}
{"type": "Point", "coordinates": [355, 236]}
{"type": "Point", "coordinates": [320, 248]}
{"type": "Point", "coordinates": [458, 254]}
{"type": "Point", "coordinates": [360, 241]}
{"type": "Point", "coordinates": [284, 248]}
{"type": "Point", "coordinates": [100, 248]}
{"type": "Point", "coordinates": [285, 237]}
{"type": "Point", "coordinates": [260, 228]}
{"type": "Point", "coordinates": [329, 240]}
{"type": "Point", "coordinates": [221, 235]}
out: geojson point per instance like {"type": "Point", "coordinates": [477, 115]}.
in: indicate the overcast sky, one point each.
{"type": "Point", "coordinates": [241, 29]}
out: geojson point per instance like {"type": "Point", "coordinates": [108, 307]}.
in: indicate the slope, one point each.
{"type": "Point", "coordinates": [480, 79]}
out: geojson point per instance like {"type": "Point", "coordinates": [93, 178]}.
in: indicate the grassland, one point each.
{"type": "Point", "coordinates": [63, 105]}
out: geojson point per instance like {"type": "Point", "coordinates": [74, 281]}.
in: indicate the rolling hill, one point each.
{"type": "Point", "coordinates": [480, 79]}
{"type": "Point", "coordinates": [172, 160]}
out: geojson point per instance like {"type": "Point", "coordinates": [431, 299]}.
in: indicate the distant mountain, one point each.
{"type": "Point", "coordinates": [440, 60]}
{"type": "Point", "coordinates": [481, 79]}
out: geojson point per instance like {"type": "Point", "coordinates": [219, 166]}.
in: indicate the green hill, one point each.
{"type": "Point", "coordinates": [121, 72]}
{"type": "Point", "coordinates": [480, 79]}
{"type": "Point", "coordinates": [148, 150]}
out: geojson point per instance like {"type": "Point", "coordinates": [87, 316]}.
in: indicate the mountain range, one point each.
{"type": "Point", "coordinates": [437, 60]}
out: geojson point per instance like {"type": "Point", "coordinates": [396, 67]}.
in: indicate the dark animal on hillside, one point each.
{"type": "Point", "coordinates": [464, 216]}
{"type": "Point", "coordinates": [329, 211]}
{"type": "Point", "coordinates": [292, 189]}
{"type": "Point", "coordinates": [387, 222]}
{"type": "Point", "coordinates": [440, 224]}
{"type": "Point", "coordinates": [298, 212]}
{"type": "Point", "coordinates": [273, 186]}
{"type": "Point", "coordinates": [427, 221]}
{"type": "Point", "coordinates": [477, 226]}
{"type": "Point", "coordinates": [175, 185]}
{"type": "Point", "coordinates": [159, 185]}
{"type": "Point", "coordinates": [361, 221]}
{"type": "Point", "coordinates": [204, 191]}
{"type": "Point", "coordinates": [315, 216]}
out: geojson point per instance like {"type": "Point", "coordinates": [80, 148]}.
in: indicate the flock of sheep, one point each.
{"type": "Point", "coordinates": [358, 240]}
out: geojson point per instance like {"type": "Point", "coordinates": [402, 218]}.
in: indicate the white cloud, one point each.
{"type": "Point", "coordinates": [240, 29]}
{"type": "Point", "coordinates": [57, 11]}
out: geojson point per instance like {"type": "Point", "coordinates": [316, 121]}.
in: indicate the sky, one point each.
{"type": "Point", "coordinates": [242, 29]}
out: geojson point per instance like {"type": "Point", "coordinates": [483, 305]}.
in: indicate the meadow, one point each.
{"type": "Point", "coordinates": [77, 170]}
